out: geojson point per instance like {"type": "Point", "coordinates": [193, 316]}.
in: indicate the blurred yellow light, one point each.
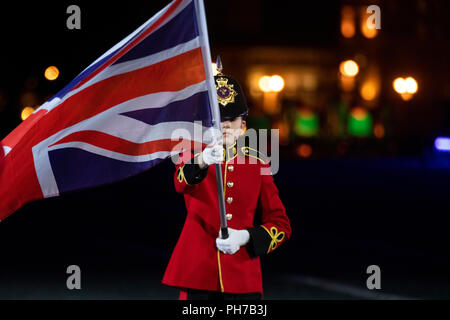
{"type": "Point", "coordinates": [399, 85]}
{"type": "Point", "coordinates": [349, 68]}
{"type": "Point", "coordinates": [411, 85]}
{"type": "Point", "coordinates": [26, 112]}
{"type": "Point", "coordinates": [264, 84]}
{"type": "Point", "coordinates": [276, 83]}
{"type": "Point", "coordinates": [304, 150]}
{"type": "Point", "coordinates": [51, 73]}
{"type": "Point", "coordinates": [369, 91]}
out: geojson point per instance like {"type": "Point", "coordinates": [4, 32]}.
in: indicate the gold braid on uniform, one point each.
{"type": "Point", "coordinates": [191, 173]}
{"type": "Point", "coordinates": [276, 236]}
{"type": "Point", "coordinates": [180, 175]}
{"type": "Point", "coordinates": [253, 153]}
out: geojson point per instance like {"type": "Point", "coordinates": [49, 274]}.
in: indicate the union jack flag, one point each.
{"type": "Point", "coordinates": [116, 118]}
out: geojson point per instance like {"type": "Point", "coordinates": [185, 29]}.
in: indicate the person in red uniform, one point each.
{"type": "Point", "coordinates": [203, 265]}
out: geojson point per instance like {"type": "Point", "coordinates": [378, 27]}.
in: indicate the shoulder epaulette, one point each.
{"type": "Point", "coordinates": [253, 153]}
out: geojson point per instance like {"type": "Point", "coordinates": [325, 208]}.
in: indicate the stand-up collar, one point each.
{"type": "Point", "coordinates": [230, 152]}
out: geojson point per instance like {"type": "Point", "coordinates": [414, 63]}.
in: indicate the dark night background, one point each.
{"type": "Point", "coordinates": [353, 201]}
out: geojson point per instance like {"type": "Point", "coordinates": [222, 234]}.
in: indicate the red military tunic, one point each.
{"type": "Point", "coordinates": [196, 262]}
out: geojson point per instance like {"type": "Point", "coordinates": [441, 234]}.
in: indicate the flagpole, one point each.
{"type": "Point", "coordinates": [204, 41]}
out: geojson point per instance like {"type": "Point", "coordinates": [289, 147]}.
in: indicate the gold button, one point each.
{"type": "Point", "coordinates": [230, 168]}
{"type": "Point", "coordinates": [230, 184]}
{"type": "Point", "coordinates": [229, 200]}
{"type": "Point", "coordinates": [229, 216]}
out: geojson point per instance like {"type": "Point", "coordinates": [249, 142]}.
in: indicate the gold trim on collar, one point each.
{"type": "Point", "coordinates": [230, 152]}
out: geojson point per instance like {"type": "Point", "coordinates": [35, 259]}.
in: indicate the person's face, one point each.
{"type": "Point", "coordinates": [231, 129]}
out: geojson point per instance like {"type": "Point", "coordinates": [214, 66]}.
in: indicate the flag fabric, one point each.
{"type": "Point", "coordinates": [117, 117]}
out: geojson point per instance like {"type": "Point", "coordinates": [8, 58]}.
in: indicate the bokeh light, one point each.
{"type": "Point", "coordinates": [368, 32]}
{"type": "Point", "coordinates": [399, 85]}
{"type": "Point", "coordinates": [26, 112]}
{"type": "Point", "coordinates": [273, 83]}
{"type": "Point", "coordinates": [304, 150]}
{"type": "Point", "coordinates": [51, 73]}
{"type": "Point", "coordinates": [264, 84]}
{"type": "Point", "coordinates": [442, 143]}
{"type": "Point", "coordinates": [360, 122]}
{"type": "Point", "coordinates": [411, 85]}
{"type": "Point", "coordinates": [347, 21]}
{"type": "Point", "coordinates": [276, 83]}
{"type": "Point", "coordinates": [306, 123]}
{"type": "Point", "coordinates": [378, 131]}
{"type": "Point", "coordinates": [406, 88]}
{"type": "Point", "coordinates": [369, 90]}
{"type": "Point", "coordinates": [349, 68]}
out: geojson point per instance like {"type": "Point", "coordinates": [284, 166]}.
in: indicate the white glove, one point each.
{"type": "Point", "coordinates": [213, 154]}
{"type": "Point", "coordinates": [235, 240]}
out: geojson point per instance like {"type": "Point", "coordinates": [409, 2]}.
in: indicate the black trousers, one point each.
{"type": "Point", "coordinates": [194, 294]}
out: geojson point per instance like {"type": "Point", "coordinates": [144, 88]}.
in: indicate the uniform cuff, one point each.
{"type": "Point", "coordinates": [193, 173]}
{"type": "Point", "coordinates": [259, 241]}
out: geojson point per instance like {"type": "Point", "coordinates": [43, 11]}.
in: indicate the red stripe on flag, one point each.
{"type": "Point", "coordinates": [173, 74]}
{"type": "Point", "coordinates": [14, 137]}
{"type": "Point", "coordinates": [169, 75]}
{"type": "Point", "coordinates": [19, 178]}
{"type": "Point", "coordinates": [112, 143]}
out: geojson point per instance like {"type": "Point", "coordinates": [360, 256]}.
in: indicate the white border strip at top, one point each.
{"type": "Point", "coordinates": [204, 43]}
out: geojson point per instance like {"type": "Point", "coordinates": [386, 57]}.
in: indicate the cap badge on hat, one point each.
{"type": "Point", "coordinates": [225, 91]}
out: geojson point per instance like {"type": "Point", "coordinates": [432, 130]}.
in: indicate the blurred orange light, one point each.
{"type": "Point", "coordinates": [368, 32]}
{"type": "Point", "coordinates": [348, 28]}
{"type": "Point", "coordinates": [406, 96]}
{"type": "Point", "coordinates": [306, 114]}
{"type": "Point", "coordinates": [369, 90]}
{"type": "Point", "coordinates": [347, 83]}
{"type": "Point", "coordinates": [26, 112]}
{"type": "Point", "coordinates": [359, 113]}
{"type": "Point", "coordinates": [51, 73]}
{"type": "Point", "coordinates": [378, 130]}
{"type": "Point", "coordinates": [304, 150]}
{"type": "Point", "coordinates": [349, 68]}
{"type": "Point", "coordinates": [347, 21]}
